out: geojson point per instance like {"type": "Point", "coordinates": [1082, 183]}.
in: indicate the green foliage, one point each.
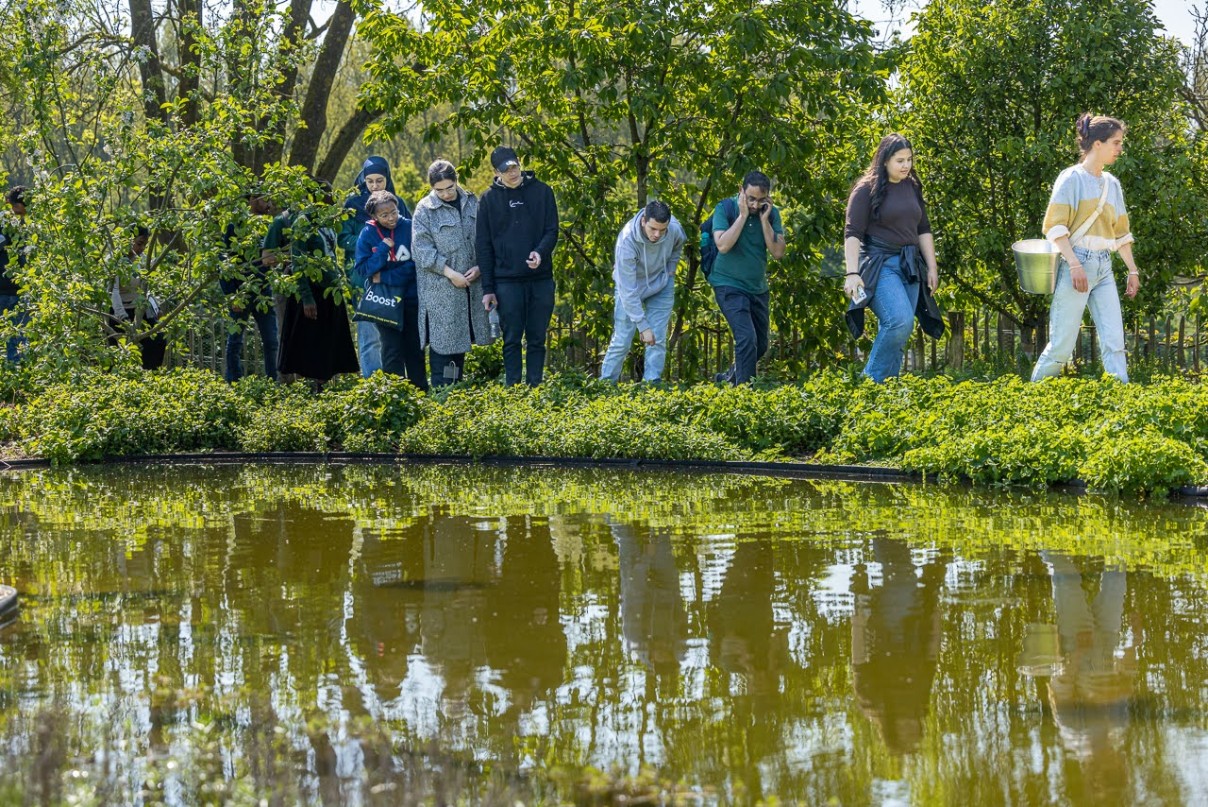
{"type": "Point", "coordinates": [1148, 462]}
{"type": "Point", "coordinates": [373, 414]}
{"type": "Point", "coordinates": [109, 415]}
{"type": "Point", "coordinates": [1117, 438]}
{"type": "Point", "coordinates": [288, 419]}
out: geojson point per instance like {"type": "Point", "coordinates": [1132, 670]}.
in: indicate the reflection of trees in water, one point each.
{"type": "Point", "coordinates": [896, 642]}
{"type": "Point", "coordinates": [280, 625]}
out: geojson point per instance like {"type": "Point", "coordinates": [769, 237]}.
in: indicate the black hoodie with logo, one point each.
{"type": "Point", "coordinates": [512, 222]}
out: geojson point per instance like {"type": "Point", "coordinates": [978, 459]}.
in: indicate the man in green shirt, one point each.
{"type": "Point", "coordinates": [740, 274]}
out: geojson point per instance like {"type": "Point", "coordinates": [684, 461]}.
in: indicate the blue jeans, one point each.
{"type": "Point", "coordinates": [747, 316]}
{"type": "Point", "coordinates": [525, 309]}
{"type": "Point", "coordinates": [266, 323]}
{"type": "Point", "coordinates": [369, 348]}
{"type": "Point", "coordinates": [1065, 316]}
{"type": "Point", "coordinates": [893, 302]}
{"type": "Point", "coordinates": [11, 302]}
{"type": "Point", "coordinates": [658, 313]}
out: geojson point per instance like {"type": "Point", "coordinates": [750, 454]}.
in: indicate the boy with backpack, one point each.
{"type": "Point", "coordinates": [746, 230]}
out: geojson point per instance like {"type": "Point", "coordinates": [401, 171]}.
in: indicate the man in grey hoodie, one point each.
{"type": "Point", "coordinates": [647, 252]}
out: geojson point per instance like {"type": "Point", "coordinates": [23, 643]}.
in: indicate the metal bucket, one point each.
{"type": "Point", "coordinates": [8, 600]}
{"type": "Point", "coordinates": [1036, 265]}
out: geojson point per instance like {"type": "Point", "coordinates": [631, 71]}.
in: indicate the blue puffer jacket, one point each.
{"type": "Point", "coordinates": [395, 265]}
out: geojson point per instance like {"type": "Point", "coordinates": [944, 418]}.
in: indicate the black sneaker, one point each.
{"type": "Point", "coordinates": [724, 378]}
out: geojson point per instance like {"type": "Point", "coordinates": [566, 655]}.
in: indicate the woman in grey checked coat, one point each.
{"type": "Point", "coordinates": [451, 315]}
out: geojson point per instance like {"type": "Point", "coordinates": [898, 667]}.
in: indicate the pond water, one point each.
{"type": "Point", "coordinates": [418, 634]}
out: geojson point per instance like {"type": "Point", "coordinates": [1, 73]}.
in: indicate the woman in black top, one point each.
{"type": "Point", "coordinates": [887, 239]}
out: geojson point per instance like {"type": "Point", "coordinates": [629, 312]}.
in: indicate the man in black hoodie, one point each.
{"type": "Point", "coordinates": [517, 231]}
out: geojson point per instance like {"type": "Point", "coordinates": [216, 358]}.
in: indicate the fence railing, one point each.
{"type": "Point", "coordinates": [1175, 343]}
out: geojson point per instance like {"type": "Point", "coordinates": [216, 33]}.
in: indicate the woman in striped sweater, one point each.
{"type": "Point", "coordinates": [1087, 221]}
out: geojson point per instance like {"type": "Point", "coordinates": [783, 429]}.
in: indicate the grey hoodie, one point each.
{"type": "Point", "coordinates": [642, 269]}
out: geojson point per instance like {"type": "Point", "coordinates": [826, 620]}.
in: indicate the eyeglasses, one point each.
{"type": "Point", "coordinates": [450, 188]}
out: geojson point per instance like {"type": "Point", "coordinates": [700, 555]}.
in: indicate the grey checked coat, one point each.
{"type": "Point", "coordinates": [441, 236]}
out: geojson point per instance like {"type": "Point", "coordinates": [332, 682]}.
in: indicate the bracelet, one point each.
{"type": "Point", "coordinates": [1134, 274]}
{"type": "Point", "coordinates": [1076, 266]}
{"type": "Point", "coordinates": [849, 274]}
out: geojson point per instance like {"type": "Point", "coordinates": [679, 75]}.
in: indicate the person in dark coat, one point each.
{"type": "Point", "coordinates": [316, 342]}
{"type": "Point", "coordinates": [517, 232]}
{"type": "Point", "coordinates": [12, 255]}
{"type": "Point", "coordinates": [246, 285]}
{"type": "Point", "coordinates": [384, 256]}
{"type": "Point", "coordinates": [131, 303]}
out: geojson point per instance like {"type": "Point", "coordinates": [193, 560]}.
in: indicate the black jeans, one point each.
{"type": "Point", "coordinates": [747, 315]}
{"type": "Point", "coordinates": [401, 353]}
{"type": "Point", "coordinates": [525, 309]}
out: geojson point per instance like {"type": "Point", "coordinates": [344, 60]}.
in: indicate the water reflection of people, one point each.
{"type": "Point", "coordinates": [290, 573]}
{"type": "Point", "coordinates": [743, 636]}
{"type": "Point", "coordinates": [458, 567]}
{"type": "Point", "coordinates": [1091, 695]}
{"type": "Point", "coordinates": [384, 630]}
{"type": "Point", "coordinates": [525, 640]}
{"type": "Point", "coordinates": [653, 619]}
{"type": "Point", "coordinates": [896, 641]}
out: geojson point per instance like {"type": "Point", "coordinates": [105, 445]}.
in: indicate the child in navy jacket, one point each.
{"type": "Point", "coordinates": [383, 255]}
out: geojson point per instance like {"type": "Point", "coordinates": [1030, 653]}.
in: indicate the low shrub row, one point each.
{"type": "Point", "coordinates": [1122, 438]}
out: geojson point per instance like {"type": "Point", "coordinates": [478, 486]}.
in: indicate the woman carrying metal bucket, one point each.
{"type": "Point", "coordinates": [1086, 220]}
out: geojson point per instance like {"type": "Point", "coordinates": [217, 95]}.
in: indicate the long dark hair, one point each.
{"type": "Point", "coordinates": [876, 176]}
{"type": "Point", "coordinates": [1097, 128]}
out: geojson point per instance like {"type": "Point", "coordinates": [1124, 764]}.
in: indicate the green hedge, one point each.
{"type": "Point", "coordinates": [1122, 438]}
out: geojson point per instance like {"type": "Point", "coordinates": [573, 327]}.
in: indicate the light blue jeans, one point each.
{"type": "Point", "coordinates": [658, 311]}
{"type": "Point", "coordinates": [893, 302]}
{"type": "Point", "coordinates": [1065, 316]}
{"type": "Point", "coordinates": [369, 348]}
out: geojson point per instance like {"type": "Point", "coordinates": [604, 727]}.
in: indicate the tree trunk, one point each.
{"type": "Point", "coordinates": [190, 61]}
{"type": "Point", "coordinates": [305, 148]}
{"type": "Point", "coordinates": [291, 41]}
{"type": "Point", "coordinates": [954, 352]}
{"type": "Point", "coordinates": [343, 142]}
{"type": "Point", "coordinates": [142, 31]}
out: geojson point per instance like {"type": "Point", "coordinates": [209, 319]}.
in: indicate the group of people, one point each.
{"type": "Point", "coordinates": [455, 272]}
{"type": "Point", "coordinates": [459, 271]}
{"type": "Point", "coordinates": [891, 266]}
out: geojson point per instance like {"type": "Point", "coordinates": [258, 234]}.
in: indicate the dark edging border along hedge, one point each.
{"type": "Point", "coordinates": [796, 470]}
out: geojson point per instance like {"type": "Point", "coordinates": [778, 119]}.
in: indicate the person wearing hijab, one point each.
{"type": "Point", "coordinates": [375, 176]}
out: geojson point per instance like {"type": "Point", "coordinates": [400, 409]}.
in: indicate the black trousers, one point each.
{"type": "Point", "coordinates": [747, 315]}
{"type": "Point", "coordinates": [150, 350]}
{"type": "Point", "coordinates": [401, 353]}
{"type": "Point", "coordinates": [525, 309]}
{"type": "Point", "coordinates": [441, 361]}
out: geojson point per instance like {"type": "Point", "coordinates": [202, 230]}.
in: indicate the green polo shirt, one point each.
{"type": "Point", "coordinates": [745, 266]}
